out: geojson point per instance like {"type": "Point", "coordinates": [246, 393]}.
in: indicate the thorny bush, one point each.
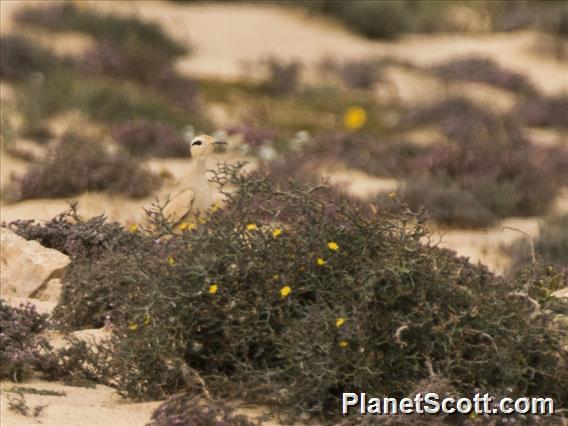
{"type": "Point", "coordinates": [286, 298]}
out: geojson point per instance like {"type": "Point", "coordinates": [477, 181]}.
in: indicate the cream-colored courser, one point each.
{"type": "Point", "coordinates": [195, 193]}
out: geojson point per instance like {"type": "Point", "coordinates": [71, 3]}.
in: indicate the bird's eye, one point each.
{"type": "Point", "coordinates": [196, 143]}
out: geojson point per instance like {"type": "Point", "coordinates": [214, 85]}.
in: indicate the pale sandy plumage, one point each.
{"type": "Point", "coordinates": [195, 193]}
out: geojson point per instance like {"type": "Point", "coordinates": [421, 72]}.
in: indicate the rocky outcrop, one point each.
{"type": "Point", "coordinates": [26, 267]}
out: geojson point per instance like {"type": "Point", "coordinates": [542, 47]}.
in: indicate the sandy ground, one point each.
{"type": "Point", "coordinates": [80, 406]}
{"type": "Point", "coordinates": [226, 36]}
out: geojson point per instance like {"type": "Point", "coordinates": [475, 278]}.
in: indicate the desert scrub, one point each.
{"type": "Point", "coordinates": [387, 19]}
{"type": "Point", "coordinates": [103, 99]}
{"type": "Point", "coordinates": [187, 410]}
{"type": "Point", "coordinates": [20, 58]}
{"type": "Point", "coordinates": [288, 297]}
{"type": "Point", "coordinates": [550, 247]}
{"type": "Point", "coordinates": [19, 340]}
{"type": "Point", "coordinates": [484, 70]}
{"type": "Point", "coordinates": [76, 165]}
{"type": "Point", "coordinates": [544, 111]}
{"type": "Point", "coordinates": [486, 156]}
{"type": "Point", "coordinates": [143, 64]}
{"type": "Point", "coordinates": [150, 138]}
{"type": "Point", "coordinates": [281, 77]}
{"type": "Point", "coordinates": [65, 16]}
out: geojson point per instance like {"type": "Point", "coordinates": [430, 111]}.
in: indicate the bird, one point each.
{"type": "Point", "coordinates": [194, 193]}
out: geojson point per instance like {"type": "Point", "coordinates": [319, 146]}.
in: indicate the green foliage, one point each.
{"type": "Point", "coordinates": [64, 16]}
{"type": "Point", "coordinates": [231, 309]}
{"type": "Point", "coordinates": [144, 65]}
{"type": "Point", "coordinates": [76, 165]}
{"type": "Point", "coordinates": [102, 99]}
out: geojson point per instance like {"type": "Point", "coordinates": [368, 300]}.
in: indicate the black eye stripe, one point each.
{"type": "Point", "coordinates": [196, 143]}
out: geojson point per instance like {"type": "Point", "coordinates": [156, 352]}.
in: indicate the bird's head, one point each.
{"type": "Point", "coordinates": [204, 145]}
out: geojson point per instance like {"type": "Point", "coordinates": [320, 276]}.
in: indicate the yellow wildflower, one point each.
{"type": "Point", "coordinates": [146, 319]}
{"type": "Point", "coordinates": [171, 260]}
{"type": "Point", "coordinates": [190, 226]}
{"type": "Point", "coordinates": [133, 326]}
{"type": "Point", "coordinates": [332, 245]}
{"type": "Point", "coordinates": [343, 343]}
{"type": "Point", "coordinates": [276, 277]}
{"type": "Point", "coordinates": [355, 117]}
{"type": "Point", "coordinates": [202, 220]}
{"type": "Point", "coordinates": [215, 207]}
{"type": "Point", "coordinates": [213, 288]}
{"type": "Point", "coordinates": [277, 232]}
{"type": "Point", "coordinates": [320, 261]}
{"type": "Point", "coordinates": [392, 194]}
{"type": "Point", "coordinates": [252, 227]}
{"type": "Point", "coordinates": [339, 322]}
{"type": "Point", "coordinates": [133, 228]}
{"type": "Point", "coordinates": [285, 291]}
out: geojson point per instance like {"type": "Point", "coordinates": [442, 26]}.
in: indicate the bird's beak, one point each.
{"type": "Point", "coordinates": [220, 143]}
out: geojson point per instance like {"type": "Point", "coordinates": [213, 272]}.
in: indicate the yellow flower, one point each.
{"type": "Point", "coordinates": [133, 326]}
{"type": "Point", "coordinates": [320, 261]}
{"type": "Point", "coordinates": [332, 245]}
{"type": "Point", "coordinates": [285, 291]}
{"type": "Point", "coordinates": [202, 220]}
{"type": "Point", "coordinates": [354, 118]}
{"type": "Point", "coordinates": [252, 227]}
{"type": "Point", "coordinates": [213, 288]}
{"type": "Point", "coordinates": [171, 260]}
{"type": "Point", "coordinates": [215, 207]}
{"type": "Point", "coordinates": [277, 232]}
{"type": "Point", "coordinates": [339, 322]}
{"type": "Point", "coordinates": [146, 319]}
{"type": "Point", "coordinates": [190, 226]}
{"type": "Point", "coordinates": [276, 277]}
{"type": "Point", "coordinates": [392, 194]}
{"type": "Point", "coordinates": [133, 228]}
{"type": "Point", "coordinates": [343, 343]}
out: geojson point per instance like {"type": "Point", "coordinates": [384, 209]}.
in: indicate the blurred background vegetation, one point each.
{"type": "Point", "coordinates": [456, 109]}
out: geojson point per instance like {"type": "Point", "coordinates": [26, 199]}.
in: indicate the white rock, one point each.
{"type": "Point", "coordinates": [27, 266]}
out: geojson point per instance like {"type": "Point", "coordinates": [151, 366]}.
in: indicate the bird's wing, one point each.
{"type": "Point", "coordinates": [180, 206]}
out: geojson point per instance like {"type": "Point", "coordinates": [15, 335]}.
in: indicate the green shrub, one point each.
{"type": "Point", "coordinates": [241, 306]}
{"type": "Point", "coordinates": [142, 64]}
{"type": "Point", "coordinates": [64, 16]}
{"type": "Point", "coordinates": [102, 99]}
{"type": "Point", "coordinates": [76, 165]}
